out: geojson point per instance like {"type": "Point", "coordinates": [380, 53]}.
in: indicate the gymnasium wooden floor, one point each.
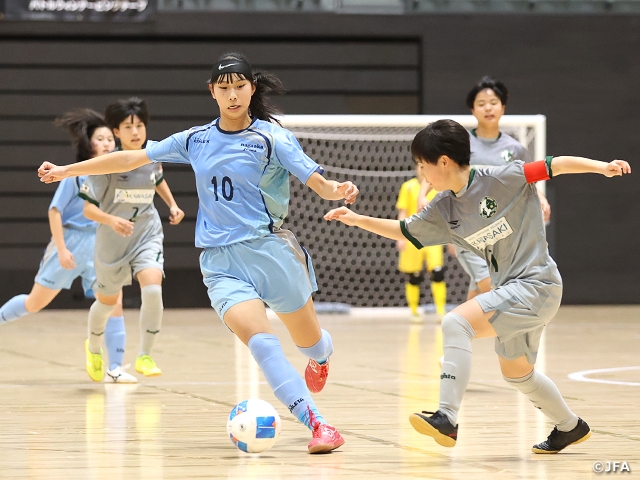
{"type": "Point", "coordinates": [57, 424]}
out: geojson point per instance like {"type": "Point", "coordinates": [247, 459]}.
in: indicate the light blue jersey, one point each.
{"type": "Point", "coordinates": [70, 205]}
{"type": "Point", "coordinates": [242, 177]}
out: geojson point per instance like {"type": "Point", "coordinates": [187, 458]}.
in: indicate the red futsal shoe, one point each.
{"type": "Point", "coordinates": [316, 375]}
{"type": "Point", "coordinates": [325, 439]}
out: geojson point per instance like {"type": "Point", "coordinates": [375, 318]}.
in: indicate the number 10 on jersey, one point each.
{"type": "Point", "coordinates": [226, 188]}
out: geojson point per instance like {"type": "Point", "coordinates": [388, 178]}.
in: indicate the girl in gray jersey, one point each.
{"type": "Point", "coordinates": [129, 238]}
{"type": "Point", "coordinates": [495, 213]}
{"type": "Point", "coordinates": [487, 101]}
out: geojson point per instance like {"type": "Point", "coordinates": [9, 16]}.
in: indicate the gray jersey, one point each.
{"type": "Point", "coordinates": [498, 217]}
{"type": "Point", "coordinates": [130, 196]}
{"type": "Point", "coordinates": [499, 151]}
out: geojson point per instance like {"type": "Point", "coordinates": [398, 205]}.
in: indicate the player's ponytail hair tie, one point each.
{"type": "Point", "coordinates": [235, 64]}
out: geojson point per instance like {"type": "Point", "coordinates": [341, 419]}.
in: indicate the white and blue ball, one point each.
{"type": "Point", "coordinates": [254, 426]}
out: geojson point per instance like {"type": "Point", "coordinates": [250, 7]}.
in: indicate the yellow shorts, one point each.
{"type": "Point", "coordinates": [412, 260]}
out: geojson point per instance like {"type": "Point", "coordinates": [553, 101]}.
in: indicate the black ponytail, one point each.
{"type": "Point", "coordinates": [81, 124]}
{"type": "Point", "coordinates": [265, 83]}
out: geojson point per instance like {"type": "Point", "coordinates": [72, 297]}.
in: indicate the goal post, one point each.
{"type": "Point", "coordinates": [355, 267]}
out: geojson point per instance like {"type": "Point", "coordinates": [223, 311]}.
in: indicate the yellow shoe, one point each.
{"type": "Point", "coordinates": [95, 366]}
{"type": "Point", "coordinates": [146, 366]}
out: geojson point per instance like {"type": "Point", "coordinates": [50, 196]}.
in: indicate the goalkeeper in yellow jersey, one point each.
{"type": "Point", "coordinates": [412, 261]}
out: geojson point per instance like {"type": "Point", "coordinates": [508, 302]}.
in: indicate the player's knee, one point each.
{"type": "Point", "coordinates": [437, 274]}
{"type": "Point", "coordinates": [526, 384]}
{"type": "Point", "coordinates": [151, 295]}
{"type": "Point", "coordinates": [416, 278]}
{"type": "Point", "coordinates": [321, 350]}
{"type": "Point", "coordinates": [264, 346]}
{"type": "Point", "coordinates": [455, 327]}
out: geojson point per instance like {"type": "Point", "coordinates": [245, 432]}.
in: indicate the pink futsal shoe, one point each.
{"type": "Point", "coordinates": [325, 439]}
{"type": "Point", "coordinates": [316, 375]}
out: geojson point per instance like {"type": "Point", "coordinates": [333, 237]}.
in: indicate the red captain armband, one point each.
{"type": "Point", "coordinates": [537, 171]}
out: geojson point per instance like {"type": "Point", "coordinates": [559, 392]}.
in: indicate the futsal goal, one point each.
{"type": "Point", "coordinates": [355, 267]}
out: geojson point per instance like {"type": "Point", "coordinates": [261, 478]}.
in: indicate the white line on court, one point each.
{"type": "Point", "coordinates": [582, 376]}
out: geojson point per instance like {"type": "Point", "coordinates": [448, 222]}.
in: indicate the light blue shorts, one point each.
{"type": "Point", "coordinates": [523, 309]}
{"type": "Point", "coordinates": [273, 268]}
{"type": "Point", "coordinates": [475, 266]}
{"type": "Point", "coordinates": [51, 274]}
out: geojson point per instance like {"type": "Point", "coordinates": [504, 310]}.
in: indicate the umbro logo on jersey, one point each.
{"type": "Point", "coordinates": [220, 67]}
{"type": "Point", "coordinates": [454, 224]}
{"type": "Point", "coordinates": [200, 140]}
{"type": "Point", "coordinates": [123, 178]}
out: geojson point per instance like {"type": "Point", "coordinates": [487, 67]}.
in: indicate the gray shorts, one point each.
{"type": "Point", "coordinates": [475, 266]}
{"type": "Point", "coordinates": [111, 278]}
{"type": "Point", "coordinates": [523, 308]}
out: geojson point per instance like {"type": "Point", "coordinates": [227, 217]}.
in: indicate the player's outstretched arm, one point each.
{"type": "Point", "coordinates": [115, 162]}
{"type": "Point", "coordinates": [332, 190]}
{"type": "Point", "coordinates": [567, 164]}
{"type": "Point", "coordinates": [379, 226]}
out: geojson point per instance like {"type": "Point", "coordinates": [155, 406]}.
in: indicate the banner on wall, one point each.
{"type": "Point", "coordinates": [80, 10]}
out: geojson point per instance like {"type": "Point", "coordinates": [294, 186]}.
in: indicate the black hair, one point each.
{"type": "Point", "coordinates": [119, 111]}
{"type": "Point", "coordinates": [265, 83]}
{"type": "Point", "coordinates": [444, 137]}
{"type": "Point", "coordinates": [490, 83]}
{"type": "Point", "coordinates": [81, 124]}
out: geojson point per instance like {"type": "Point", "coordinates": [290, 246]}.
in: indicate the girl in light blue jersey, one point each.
{"type": "Point", "coordinates": [70, 252]}
{"type": "Point", "coordinates": [242, 163]}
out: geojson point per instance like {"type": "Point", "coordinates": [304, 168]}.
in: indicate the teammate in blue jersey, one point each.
{"type": "Point", "coordinates": [70, 252]}
{"type": "Point", "coordinates": [495, 213]}
{"type": "Point", "coordinates": [242, 162]}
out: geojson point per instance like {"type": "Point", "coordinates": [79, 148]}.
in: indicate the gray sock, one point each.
{"type": "Point", "coordinates": [544, 394]}
{"type": "Point", "coordinates": [150, 317]}
{"type": "Point", "coordinates": [457, 334]}
{"type": "Point", "coordinates": [98, 315]}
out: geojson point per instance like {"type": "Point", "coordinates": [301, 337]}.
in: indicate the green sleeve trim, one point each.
{"type": "Point", "coordinates": [89, 199]}
{"type": "Point", "coordinates": [411, 238]}
{"type": "Point", "coordinates": [548, 160]}
{"type": "Point", "coordinates": [160, 180]}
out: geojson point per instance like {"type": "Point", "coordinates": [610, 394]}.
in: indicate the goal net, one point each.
{"type": "Point", "coordinates": [355, 267]}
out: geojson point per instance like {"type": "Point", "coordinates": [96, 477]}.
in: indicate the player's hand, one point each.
{"type": "Point", "coordinates": [121, 226]}
{"type": "Point", "coordinates": [342, 214]}
{"type": "Point", "coordinates": [175, 215]}
{"type": "Point", "coordinates": [348, 191]}
{"type": "Point", "coordinates": [401, 245]}
{"type": "Point", "coordinates": [49, 173]}
{"type": "Point", "coordinates": [546, 208]}
{"type": "Point", "coordinates": [617, 168]}
{"type": "Point", "coordinates": [65, 257]}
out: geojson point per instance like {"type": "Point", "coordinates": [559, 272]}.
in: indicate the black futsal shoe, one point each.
{"type": "Point", "coordinates": [558, 440]}
{"type": "Point", "coordinates": [437, 426]}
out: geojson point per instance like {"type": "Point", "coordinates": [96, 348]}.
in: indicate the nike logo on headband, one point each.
{"type": "Point", "coordinates": [220, 67]}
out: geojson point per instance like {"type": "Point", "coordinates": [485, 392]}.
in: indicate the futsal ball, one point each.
{"type": "Point", "coordinates": [254, 426]}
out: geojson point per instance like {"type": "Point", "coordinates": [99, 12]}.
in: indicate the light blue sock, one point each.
{"type": "Point", "coordinates": [285, 381]}
{"type": "Point", "coordinates": [115, 338]}
{"type": "Point", "coordinates": [13, 309]}
{"type": "Point", "coordinates": [322, 350]}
